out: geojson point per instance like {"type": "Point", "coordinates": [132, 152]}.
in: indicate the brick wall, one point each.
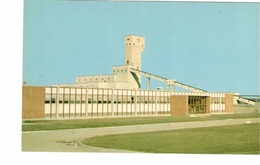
{"type": "Point", "coordinates": [229, 106]}
{"type": "Point", "coordinates": [179, 105]}
{"type": "Point", "coordinates": [33, 102]}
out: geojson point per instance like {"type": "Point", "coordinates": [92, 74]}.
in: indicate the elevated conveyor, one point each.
{"type": "Point", "coordinates": [169, 83]}
{"type": "Point", "coordinates": [188, 87]}
{"type": "Point", "coordinates": [243, 100]}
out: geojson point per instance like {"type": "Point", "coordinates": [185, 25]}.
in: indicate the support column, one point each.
{"type": "Point", "coordinates": [86, 103]}
{"type": "Point", "coordinates": [57, 101]}
{"type": "Point", "coordinates": [156, 94]}
{"type": "Point", "coordinates": [148, 83]}
{"type": "Point", "coordinates": [207, 102]}
{"type": "Point", "coordinates": [112, 102]}
{"type": "Point", "coordinates": [135, 111]}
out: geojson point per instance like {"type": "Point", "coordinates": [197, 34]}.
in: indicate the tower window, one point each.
{"type": "Point", "coordinates": [127, 62]}
{"type": "Point", "coordinates": [128, 39]}
{"type": "Point", "coordinates": [130, 44]}
{"type": "Point", "coordinates": [134, 43]}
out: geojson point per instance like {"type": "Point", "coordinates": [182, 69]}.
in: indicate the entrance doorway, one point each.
{"type": "Point", "coordinates": [197, 104]}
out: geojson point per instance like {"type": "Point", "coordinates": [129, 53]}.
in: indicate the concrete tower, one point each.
{"type": "Point", "coordinates": [134, 46]}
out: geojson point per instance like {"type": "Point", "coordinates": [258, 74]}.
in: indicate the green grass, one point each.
{"type": "Point", "coordinates": [37, 125]}
{"type": "Point", "coordinates": [238, 139]}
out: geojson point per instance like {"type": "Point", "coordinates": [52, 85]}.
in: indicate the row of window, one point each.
{"type": "Point", "coordinates": [138, 39]}
{"type": "Point", "coordinates": [122, 70]}
{"type": "Point", "coordinates": [217, 100]}
{"type": "Point", "coordinates": [133, 44]}
{"type": "Point", "coordinates": [96, 79]}
{"type": "Point", "coordinates": [105, 102]}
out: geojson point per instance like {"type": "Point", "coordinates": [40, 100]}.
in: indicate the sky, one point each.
{"type": "Point", "coordinates": [212, 46]}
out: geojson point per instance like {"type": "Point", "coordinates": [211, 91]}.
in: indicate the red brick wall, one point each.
{"type": "Point", "coordinates": [33, 102]}
{"type": "Point", "coordinates": [179, 105]}
{"type": "Point", "coordinates": [229, 106]}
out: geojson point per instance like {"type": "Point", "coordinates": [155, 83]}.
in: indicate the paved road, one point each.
{"type": "Point", "coordinates": [68, 140]}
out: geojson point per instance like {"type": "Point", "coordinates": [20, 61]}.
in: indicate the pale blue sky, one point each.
{"type": "Point", "coordinates": [212, 46]}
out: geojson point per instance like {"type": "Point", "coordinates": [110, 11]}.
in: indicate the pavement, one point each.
{"type": "Point", "coordinates": [69, 140]}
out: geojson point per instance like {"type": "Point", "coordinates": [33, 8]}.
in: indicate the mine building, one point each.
{"type": "Point", "coordinates": [120, 94]}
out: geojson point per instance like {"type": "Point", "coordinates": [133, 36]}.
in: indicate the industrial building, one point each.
{"type": "Point", "coordinates": [128, 76]}
{"type": "Point", "coordinates": [120, 94]}
{"type": "Point", "coordinates": [122, 77]}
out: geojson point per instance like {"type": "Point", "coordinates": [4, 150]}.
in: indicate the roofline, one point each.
{"type": "Point", "coordinates": [134, 35]}
{"type": "Point", "coordinates": [97, 75]}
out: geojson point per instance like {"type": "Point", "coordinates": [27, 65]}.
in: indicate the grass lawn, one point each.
{"type": "Point", "coordinates": [36, 125]}
{"type": "Point", "coordinates": [237, 139]}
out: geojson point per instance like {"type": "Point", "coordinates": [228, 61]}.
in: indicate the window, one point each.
{"type": "Point", "coordinates": [128, 39]}
{"type": "Point", "coordinates": [127, 62]}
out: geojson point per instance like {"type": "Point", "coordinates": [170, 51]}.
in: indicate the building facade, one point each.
{"type": "Point", "coordinates": [78, 102]}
